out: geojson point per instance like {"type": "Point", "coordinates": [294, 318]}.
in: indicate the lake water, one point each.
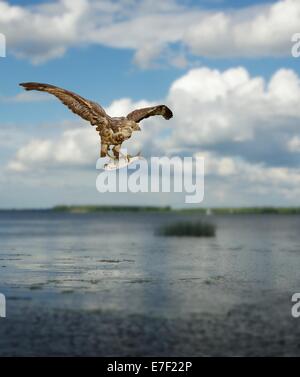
{"type": "Point", "coordinates": [115, 263]}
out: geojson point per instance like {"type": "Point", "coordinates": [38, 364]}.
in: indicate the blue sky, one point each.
{"type": "Point", "coordinates": [238, 52]}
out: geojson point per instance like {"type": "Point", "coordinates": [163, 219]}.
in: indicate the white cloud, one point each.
{"type": "Point", "coordinates": [78, 146]}
{"type": "Point", "coordinates": [259, 173]}
{"type": "Point", "coordinates": [26, 97]}
{"type": "Point", "coordinates": [214, 107]}
{"type": "Point", "coordinates": [75, 147]}
{"type": "Point", "coordinates": [211, 108]}
{"type": "Point", "coordinates": [294, 144]}
{"type": "Point", "coordinates": [245, 127]}
{"type": "Point", "coordinates": [124, 106]}
{"type": "Point", "coordinates": [12, 137]}
{"type": "Point", "coordinates": [234, 181]}
{"type": "Point", "coordinates": [147, 30]}
{"type": "Point", "coordinates": [257, 31]}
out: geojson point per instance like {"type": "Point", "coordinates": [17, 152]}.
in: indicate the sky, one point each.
{"type": "Point", "coordinates": [224, 67]}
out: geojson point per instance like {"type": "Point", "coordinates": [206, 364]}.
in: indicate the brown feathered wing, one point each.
{"type": "Point", "coordinates": [86, 109]}
{"type": "Point", "coordinates": [140, 114]}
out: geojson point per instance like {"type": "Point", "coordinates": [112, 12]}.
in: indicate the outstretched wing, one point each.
{"type": "Point", "coordinates": [140, 114]}
{"type": "Point", "coordinates": [86, 109]}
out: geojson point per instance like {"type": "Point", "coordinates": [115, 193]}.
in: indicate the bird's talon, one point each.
{"type": "Point", "coordinates": [112, 157]}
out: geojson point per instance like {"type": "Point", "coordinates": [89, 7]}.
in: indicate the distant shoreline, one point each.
{"type": "Point", "coordinates": [82, 209]}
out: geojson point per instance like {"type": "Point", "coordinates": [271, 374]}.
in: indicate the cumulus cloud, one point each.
{"type": "Point", "coordinates": [78, 146]}
{"type": "Point", "coordinates": [246, 128]}
{"type": "Point", "coordinates": [234, 113]}
{"type": "Point", "coordinates": [232, 180]}
{"type": "Point", "coordinates": [26, 97]}
{"type": "Point", "coordinates": [258, 173]}
{"type": "Point", "coordinates": [227, 111]}
{"type": "Point", "coordinates": [73, 148]}
{"type": "Point", "coordinates": [46, 31]}
{"type": "Point", "coordinates": [258, 31]}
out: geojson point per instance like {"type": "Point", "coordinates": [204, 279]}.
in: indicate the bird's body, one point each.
{"type": "Point", "coordinates": [112, 130]}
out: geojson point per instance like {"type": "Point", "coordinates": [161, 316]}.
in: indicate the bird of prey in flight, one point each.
{"type": "Point", "coordinates": [112, 130]}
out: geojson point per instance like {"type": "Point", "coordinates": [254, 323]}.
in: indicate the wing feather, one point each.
{"type": "Point", "coordinates": [88, 110]}
{"type": "Point", "coordinates": [140, 114]}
